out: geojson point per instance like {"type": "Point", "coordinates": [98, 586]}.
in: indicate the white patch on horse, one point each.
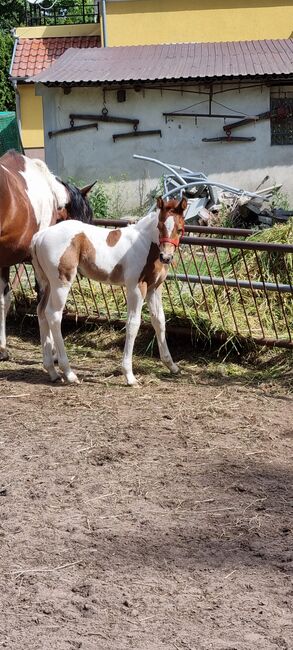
{"type": "Point", "coordinates": [169, 225]}
{"type": "Point", "coordinates": [44, 191]}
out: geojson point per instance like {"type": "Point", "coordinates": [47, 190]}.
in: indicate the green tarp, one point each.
{"type": "Point", "coordinates": [9, 133]}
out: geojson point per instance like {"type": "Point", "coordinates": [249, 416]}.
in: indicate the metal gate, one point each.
{"type": "Point", "coordinates": [221, 285]}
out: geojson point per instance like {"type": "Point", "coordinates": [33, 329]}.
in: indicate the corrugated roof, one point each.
{"type": "Point", "coordinates": [32, 55]}
{"type": "Point", "coordinates": [184, 61]}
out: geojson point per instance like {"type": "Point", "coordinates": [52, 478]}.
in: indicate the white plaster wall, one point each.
{"type": "Point", "coordinates": [86, 155]}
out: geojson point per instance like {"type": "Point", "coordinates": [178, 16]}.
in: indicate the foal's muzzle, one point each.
{"type": "Point", "coordinates": [166, 257]}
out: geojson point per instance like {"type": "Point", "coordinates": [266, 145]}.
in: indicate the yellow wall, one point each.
{"type": "Point", "coordinates": [58, 30]}
{"type": "Point", "coordinates": [142, 22]}
{"type": "Point", "coordinates": [31, 115]}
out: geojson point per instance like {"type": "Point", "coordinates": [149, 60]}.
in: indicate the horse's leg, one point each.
{"type": "Point", "coordinates": [134, 306]}
{"type": "Point", "coordinates": [154, 301]}
{"type": "Point", "coordinates": [53, 313]}
{"type": "Point", "coordinates": [43, 324]}
{"type": "Point", "coordinates": [45, 335]}
{"type": "Point", "coordinates": [5, 300]}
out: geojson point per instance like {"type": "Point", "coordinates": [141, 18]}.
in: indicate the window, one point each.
{"type": "Point", "coordinates": [282, 120]}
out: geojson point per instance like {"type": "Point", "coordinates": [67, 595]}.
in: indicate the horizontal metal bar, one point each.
{"type": "Point", "coordinates": [207, 230]}
{"type": "Point", "coordinates": [235, 243]}
{"type": "Point", "coordinates": [136, 134]}
{"type": "Point", "coordinates": [230, 138]}
{"type": "Point", "coordinates": [71, 129]}
{"type": "Point", "coordinates": [103, 117]}
{"type": "Point", "coordinates": [217, 115]}
{"type": "Point", "coordinates": [216, 230]}
{"type": "Point", "coordinates": [231, 282]}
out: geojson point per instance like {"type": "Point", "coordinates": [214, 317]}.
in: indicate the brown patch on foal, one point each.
{"type": "Point", "coordinates": [44, 300]}
{"type": "Point", "coordinates": [113, 237]}
{"type": "Point", "coordinates": [81, 254]}
{"type": "Point", "coordinates": [154, 272]}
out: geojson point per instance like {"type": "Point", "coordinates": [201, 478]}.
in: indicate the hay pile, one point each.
{"type": "Point", "coordinates": [242, 311]}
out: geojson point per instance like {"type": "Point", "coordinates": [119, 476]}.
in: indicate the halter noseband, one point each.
{"type": "Point", "coordinates": [168, 240]}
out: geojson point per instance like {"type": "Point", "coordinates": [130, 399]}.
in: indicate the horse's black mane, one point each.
{"type": "Point", "coordinates": [78, 206]}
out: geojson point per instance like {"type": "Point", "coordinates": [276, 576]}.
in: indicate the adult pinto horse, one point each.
{"type": "Point", "coordinates": [31, 198]}
{"type": "Point", "coordinates": [136, 257]}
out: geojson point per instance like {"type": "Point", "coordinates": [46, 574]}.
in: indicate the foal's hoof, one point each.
{"type": "Point", "coordinates": [71, 378]}
{"type": "Point", "coordinates": [175, 370]}
{"type": "Point", "coordinates": [4, 356]}
{"type": "Point", "coordinates": [132, 382]}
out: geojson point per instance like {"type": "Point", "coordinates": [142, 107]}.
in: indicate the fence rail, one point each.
{"type": "Point", "coordinates": [222, 284]}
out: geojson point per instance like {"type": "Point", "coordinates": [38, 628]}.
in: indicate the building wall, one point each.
{"type": "Point", "coordinates": [142, 22]}
{"type": "Point", "coordinates": [91, 154]}
{"type": "Point", "coordinates": [135, 22]}
{"type": "Point", "coordinates": [31, 109]}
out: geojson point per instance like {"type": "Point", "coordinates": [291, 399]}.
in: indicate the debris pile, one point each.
{"type": "Point", "coordinates": [210, 203]}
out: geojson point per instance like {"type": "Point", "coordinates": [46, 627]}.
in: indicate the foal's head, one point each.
{"type": "Point", "coordinates": [171, 226]}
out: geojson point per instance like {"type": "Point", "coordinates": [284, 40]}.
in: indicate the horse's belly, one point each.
{"type": "Point", "coordinates": [94, 272]}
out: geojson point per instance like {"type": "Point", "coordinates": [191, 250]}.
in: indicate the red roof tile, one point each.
{"type": "Point", "coordinates": [188, 61]}
{"type": "Point", "coordinates": [35, 54]}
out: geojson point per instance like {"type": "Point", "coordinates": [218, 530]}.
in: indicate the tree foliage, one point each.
{"type": "Point", "coordinates": [13, 14]}
{"type": "Point", "coordinates": [7, 100]}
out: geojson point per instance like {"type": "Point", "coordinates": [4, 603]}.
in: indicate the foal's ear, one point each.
{"type": "Point", "coordinates": [87, 188]}
{"type": "Point", "coordinates": [160, 203]}
{"type": "Point", "coordinates": [182, 205]}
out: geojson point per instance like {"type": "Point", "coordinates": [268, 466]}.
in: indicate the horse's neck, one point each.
{"type": "Point", "coordinates": [148, 226]}
{"type": "Point", "coordinates": [57, 188]}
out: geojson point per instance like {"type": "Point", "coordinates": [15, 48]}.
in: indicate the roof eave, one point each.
{"type": "Point", "coordinates": [182, 80]}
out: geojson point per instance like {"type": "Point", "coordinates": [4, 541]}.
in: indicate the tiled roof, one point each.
{"type": "Point", "coordinates": [33, 55]}
{"type": "Point", "coordinates": [186, 61]}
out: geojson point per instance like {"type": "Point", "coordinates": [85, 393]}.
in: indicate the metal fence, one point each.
{"type": "Point", "coordinates": [221, 285]}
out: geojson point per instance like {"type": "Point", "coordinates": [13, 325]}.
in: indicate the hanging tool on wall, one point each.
{"type": "Point", "coordinates": [247, 120]}
{"type": "Point", "coordinates": [229, 138]}
{"type": "Point", "coordinates": [103, 117]}
{"type": "Point", "coordinates": [72, 129]}
{"type": "Point", "coordinates": [136, 134]}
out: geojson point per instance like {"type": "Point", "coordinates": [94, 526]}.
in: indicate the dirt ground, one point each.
{"type": "Point", "coordinates": [156, 518]}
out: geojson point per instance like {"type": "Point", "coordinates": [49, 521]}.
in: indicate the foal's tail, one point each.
{"type": "Point", "coordinates": [41, 276]}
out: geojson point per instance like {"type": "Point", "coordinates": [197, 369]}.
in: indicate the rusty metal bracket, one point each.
{"type": "Point", "coordinates": [229, 138]}
{"type": "Point", "coordinates": [247, 120]}
{"type": "Point", "coordinates": [195, 115]}
{"type": "Point", "coordinates": [136, 134]}
{"type": "Point", "coordinates": [72, 129]}
{"type": "Point", "coordinates": [103, 117]}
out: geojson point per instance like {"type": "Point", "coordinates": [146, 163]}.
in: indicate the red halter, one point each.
{"type": "Point", "coordinates": [168, 240]}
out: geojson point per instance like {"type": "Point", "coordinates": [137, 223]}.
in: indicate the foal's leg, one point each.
{"type": "Point", "coordinates": [134, 306]}
{"type": "Point", "coordinates": [5, 300]}
{"type": "Point", "coordinates": [46, 336]}
{"type": "Point", "coordinates": [53, 313]}
{"type": "Point", "coordinates": [154, 300]}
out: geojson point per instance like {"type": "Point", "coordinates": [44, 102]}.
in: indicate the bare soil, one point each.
{"type": "Point", "coordinates": [156, 518]}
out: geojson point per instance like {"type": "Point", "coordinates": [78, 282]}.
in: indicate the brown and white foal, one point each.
{"type": "Point", "coordinates": [136, 257]}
